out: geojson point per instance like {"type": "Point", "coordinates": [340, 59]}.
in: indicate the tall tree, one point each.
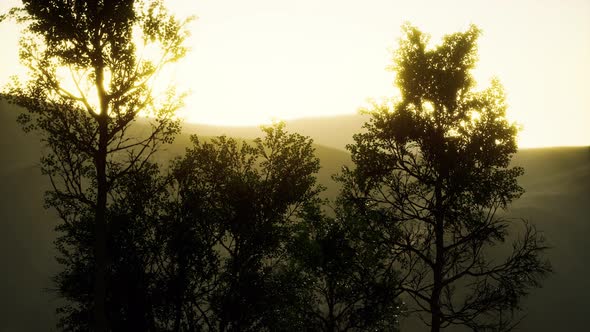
{"type": "Point", "coordinates": [138, 223]}
{"type": "Point", "coordinates": [88, 84]}
{"type": "Point", "coordinates": [434, 167]}
{"type": "Point", "coordinates": [246, 198]}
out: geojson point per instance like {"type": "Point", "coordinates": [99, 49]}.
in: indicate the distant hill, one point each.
{"type": "Point", "coordinates": [557, 200]}
{"type": "Point", "coordinates": [334, 132]}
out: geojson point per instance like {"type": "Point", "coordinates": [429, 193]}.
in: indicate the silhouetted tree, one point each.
{"type": "Point", "coordinates": [247, 198]}
{"type": "Point", "coordinates": [347, 279]}
{"type": "Point", "coordinates": [88, 84]}
{"type": "Point", "coordinates": [135, 296]}
{"type": "Point", "coordinates": [233, 240]}
{"type": "Point", "coordinates": [158, 254]}
{"type": "Point", "coordinates": [433, 167]}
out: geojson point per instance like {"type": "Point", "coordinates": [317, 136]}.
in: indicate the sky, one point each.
{"type": "Point", "coordinates": [261, 60]}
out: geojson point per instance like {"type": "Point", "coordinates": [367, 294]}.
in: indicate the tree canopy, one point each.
{"type": "Point", "coordinates": [434, 167]}
{"type": "Point", "coordinates": [89, 80]}
{"type": "Point", "coordinates": [234, 235]}
{"type": "Point", "coordinates": [246, 198]}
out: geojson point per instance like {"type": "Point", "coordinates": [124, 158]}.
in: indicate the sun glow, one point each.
{"type": "Point", "coordinates": [258, 61]}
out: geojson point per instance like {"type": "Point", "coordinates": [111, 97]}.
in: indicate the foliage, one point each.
{"type": "Point", "coordinates": [234, 239]}
{"type": "Point", "coordinates": [281, 264]}
{"type": "Point", "coordinates": [246, 198]}
{"type": "Point", "coordinates": [199, 249]}
{"type": "Point", "coordinates": [137, 220]}
{"type": "Point", "coordinates": [433, 169]}
{"type": "Point", "coordinates": [88, 83]}
{"type": "Point", "coordinates": [349, 282]}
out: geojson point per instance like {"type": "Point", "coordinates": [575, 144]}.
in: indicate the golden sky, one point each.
{"type": "Point", "coordinates": [258, 60]}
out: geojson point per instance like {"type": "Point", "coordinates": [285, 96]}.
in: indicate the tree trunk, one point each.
{"type": "Point", "coordinates": [178, 294]}
{"type": "Point", "coordinates": [331, 324]}
{"type": "Point", "coordinates": [435, 309]}
{"type": "Point", "coordinates": [100, 229]}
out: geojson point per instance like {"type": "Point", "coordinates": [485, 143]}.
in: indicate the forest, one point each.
{"type": "Point", "coordinates": [217, 233]}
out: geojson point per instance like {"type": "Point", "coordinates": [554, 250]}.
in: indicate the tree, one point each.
{"type": "Point", "coordinates": [136, 299]}
{"type": "Point", "coordinates": [245, 198]}
{"type": "Point", "coordinates": [88, 84]}
{"type": "Point", "coordinates": [434, 167]}
{"type": "Point", "coordinates": [348, 282]}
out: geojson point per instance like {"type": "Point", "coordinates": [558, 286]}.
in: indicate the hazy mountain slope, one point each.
{"type": "Point", "coordinates": [557, 200]}
{"type": "Point", "coordinates": [26, 233]}
{"type": "Point", "coordinates": [335, 132]}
